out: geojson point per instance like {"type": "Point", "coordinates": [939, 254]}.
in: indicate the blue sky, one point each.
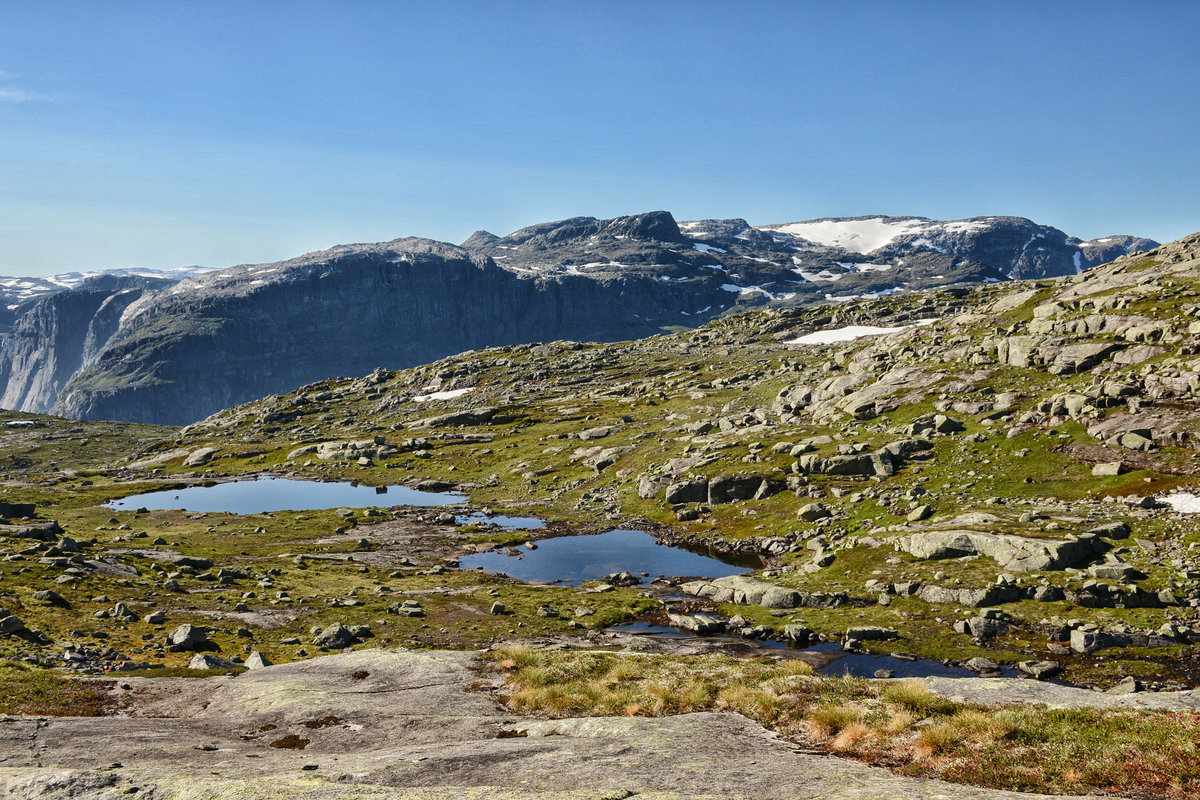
{"type": "Point", "coordinates": [174, 133]}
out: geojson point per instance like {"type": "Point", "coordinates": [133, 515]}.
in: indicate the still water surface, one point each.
{"type": "Point", "coordinates": [283, 494]}
{"type": "Point", "coordinates": [574, 559]}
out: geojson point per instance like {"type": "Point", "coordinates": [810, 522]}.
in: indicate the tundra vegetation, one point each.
{"type": "Point", "coordinates": [984, 487]}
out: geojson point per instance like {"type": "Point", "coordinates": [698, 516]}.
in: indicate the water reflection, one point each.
{"type": "Point", "coordinates": [574, 559]}
{"type": "Point", "coordinates": [283, 494]}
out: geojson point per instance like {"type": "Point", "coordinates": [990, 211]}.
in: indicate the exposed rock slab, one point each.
{"type": "Point", "coordinates": [1019, 690]}
{"type": "Point", "coordinates": [407, 728]}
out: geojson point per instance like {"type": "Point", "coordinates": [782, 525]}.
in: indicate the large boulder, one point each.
{"type": "Point", "coordinates": [200, 456]}
{"type": "Point", "coordinates": [727, 488]}
{"type": "Point", "coordinates": [744, 591]}
{"type": "Point", "coordinates": [14, 510]}
{"type": "Point", "coordinates": [687, 492]}
{"type": "Point", "coordinates": [189, 637]}
{"type": "Point", "coordinates": [880, 462]}
{"type": "Point", "coordinates": [470, 416]}
{"type": "Point", "coordinates": [1014, 553]}
{"type": "Point", "coordinates": [335, 637]}
{"type": "Point", "coordinates": [209, 661]}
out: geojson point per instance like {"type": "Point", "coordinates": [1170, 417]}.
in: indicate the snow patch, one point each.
{"type": "Point", "coordinates": [923, 242]}
{"type": "Point", "coordinates": [449, 394]}
{"type": "Point", "coordinates": [817, 277]}
{"type": "Point", "coordinates": [744, 290]}
{"type": "Point", "coordinates": [1183, 502]}
{"type": "Point", "coordinates": [707, 248]}
{"type": "Point", "coordinates": [856, 235]}
{"type": "Point", "coordinates": [963, 226]}
{"type": "Point", "coordinates": [833, 335]}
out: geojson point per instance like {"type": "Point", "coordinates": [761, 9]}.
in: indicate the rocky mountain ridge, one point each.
{"type": "Point", "coordinates": [182, 351]}
{"type": "Point", "coordinates": [61, 333]}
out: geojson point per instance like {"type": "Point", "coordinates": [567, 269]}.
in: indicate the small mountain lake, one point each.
{"type": "Point", "coordinates": [265, 493]}
{"type": "Point", "coordinates": [502, 522]}
{"type": "Point", "coordinates": [574, 559]}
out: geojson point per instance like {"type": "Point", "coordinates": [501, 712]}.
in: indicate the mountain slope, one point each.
{"type": "Point", "coordinates": [226, 337]}
{"type": "Point", "coordinates": [230, 337]}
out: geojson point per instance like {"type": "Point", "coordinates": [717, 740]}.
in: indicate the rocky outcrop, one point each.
{"type": "Point", "coordinates": [1016, 553]}
{"type": "Point", "coordinates": [743, 590]}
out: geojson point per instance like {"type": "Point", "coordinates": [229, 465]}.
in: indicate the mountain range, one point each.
{"type": "Point", "coordinates": [147, 346]}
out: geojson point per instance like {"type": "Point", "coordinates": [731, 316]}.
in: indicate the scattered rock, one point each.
{"type": "Point", "coordinates": [256, 660]}
{"type": "Point", "coordinates": [813, 512]}
{"type": "Point", "coordinates": [335, 637]}
{"type": "Point", "coordinates": [209, 661]}
{"type": "Point", "coordinates": [52, 597]}
{"type": "Point", "coordinates": [200, 456]}
{"type": "Point", "coordinates": [1039, 670]}
{"type": "Point", "coordinates": [188, 637]}
{"type": "Point", "coordinates": [1127, 685]}
{"type": "Point", "coordinates": [697, 623]}
{"type": "Point", "coordinates": [870, 633]}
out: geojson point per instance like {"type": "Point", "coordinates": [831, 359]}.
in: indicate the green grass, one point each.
{"type": "Point", "coordinates": [39, 692]}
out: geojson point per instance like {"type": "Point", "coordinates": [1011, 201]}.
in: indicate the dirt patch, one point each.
{"type": "Point", "coordinates": [291, 742]}
{"type": "Point", "coordinates": [1099, 454]}
{"type": "Point", "coordinates": [322, 722]}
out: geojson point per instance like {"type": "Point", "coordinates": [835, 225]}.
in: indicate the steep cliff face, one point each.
{"type": "Point", "coordinates": [223, 339]}
{"type": "Point", "coordinates": [55, 336]}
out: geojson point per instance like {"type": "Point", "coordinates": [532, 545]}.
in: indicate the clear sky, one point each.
{"type": "Point", "coordinates": [163, 134]}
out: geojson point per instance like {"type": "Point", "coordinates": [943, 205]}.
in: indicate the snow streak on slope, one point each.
{"type": "Point", "coordinates": [856, 235]}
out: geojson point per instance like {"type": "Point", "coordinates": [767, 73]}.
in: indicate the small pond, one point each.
{"type": "Point", "coordinates": [853, 664]}
{"type": "Point", "coordinates": [283, 494]}
{"type": "Point", "coordinates": [504, 523]}
{"type": "Point", "coordinates": [574, 559]}
{"type": "Point", "coordinates": [864, 665]}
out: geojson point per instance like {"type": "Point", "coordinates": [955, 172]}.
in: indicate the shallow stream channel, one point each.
{"type": "Point", "coordinates": [630, 557]}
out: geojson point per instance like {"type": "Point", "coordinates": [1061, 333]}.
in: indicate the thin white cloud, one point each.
{"type": "Point", "coordinates": [9, 95]}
